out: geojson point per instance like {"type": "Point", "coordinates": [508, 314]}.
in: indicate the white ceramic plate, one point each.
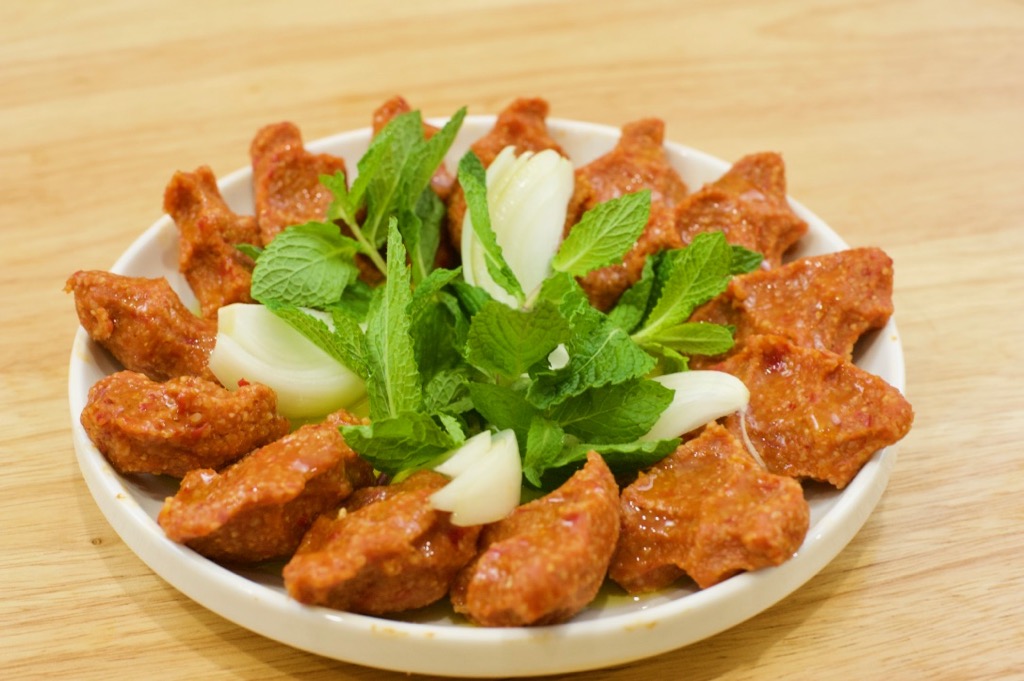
{"type": "Point", "coordinates": [613, 630]}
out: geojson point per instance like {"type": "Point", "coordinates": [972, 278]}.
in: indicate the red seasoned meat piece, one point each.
{"type": "Point", "coordinates": [260, 507]}
{"type": "Point", "coordinates": [218, 273]}
{"type": "Point", "coordinates": [812, 413]}
{"type": "Point", "coordinates": [523, 125]}
{"type": "Point", "coordinates": [637, 162]}
{"type": "Point", "coordinates": [182, 424]}
{"type": "Point", "coordinates": [825, 302]}
{"type": "Point", "coordinates": [286, 180]}
{"type": "Point", "coordinates": [442, 181]}
{"type": "Point", "coordinates": [143, 324]}
{"type": "Point", "coordinates": [707, 510]}
{"type": "Point", "coordinates": [546, 561]}
{"type": "Point", "coordinates": [748, 203]}
{"type": "Point", "coordinates": [386, 551]}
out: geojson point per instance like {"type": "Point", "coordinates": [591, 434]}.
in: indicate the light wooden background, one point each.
{"type": "Point", "coordinates": [902, 124]}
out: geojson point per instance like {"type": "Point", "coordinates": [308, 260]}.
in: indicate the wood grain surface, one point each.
{"type": "Point", "coordinates": [901, 122]}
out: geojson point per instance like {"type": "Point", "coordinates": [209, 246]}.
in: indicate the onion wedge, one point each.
{"type": "Point", "coordinates": [700, 397]}
{"type": "Point", "coordinates": [487, 483]}
{"type": "Point", "coordinates": [528, 199]}
{"type": "Point", "coordinates": [255, 345]}
{"type": "Point", "coordinates": [466, 455]}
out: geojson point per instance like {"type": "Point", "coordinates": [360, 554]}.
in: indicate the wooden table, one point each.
{"type": "Point", "coordinates": [902, 124]}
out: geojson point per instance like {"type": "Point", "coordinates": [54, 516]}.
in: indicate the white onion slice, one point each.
{"type": "Point", "coordinates": [488, 489]}
{"type": "Point", "coordinates": [255, 345]}
{"type": "Point", "coordinates": [528, 199]}
{"type": "Point", "coordinates": [700, 397]}
{"type": "Point", "coordinates": [466, 455]}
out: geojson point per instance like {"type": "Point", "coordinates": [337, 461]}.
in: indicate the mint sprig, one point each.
{"type": "Point", "coordinates": [673, 285]}
{"type": "Point", "coordinates": [442, 360]}
{"type": "Point", "coordinates": [688, 277]}
{"type": "Point", "coordinates": [393, 162]}
{"type": "Point", "coordinates": [604, 234]}
{"type": "Point", "coordinates": [392, 375]}
{"type": "Point", "coordinates": [306, 265]}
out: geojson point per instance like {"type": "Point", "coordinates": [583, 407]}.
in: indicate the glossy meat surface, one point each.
{"type": "Point", "coordinates": [260, 507]}
{"type": "Point", "coordinates": [825, 302]}
{"type": "Point", "coordinates": [707, 510]}
{"type": "Point", "coordinates": [217, 272]}
{"type": "Point", "coordinates": [184, 423]}
{"type": "Point", "coordinates": [143, 324]}
{"type": "Point", "coordinates": [812, 413]}
{"type": "Point", "coordinates": [546, 561]}
{"type": "Point", "coordinates": [748, 203]}
{"type": "Point", "coordinates": [386, 551]}
{"type": "Point", "coordinates": [286, 180]}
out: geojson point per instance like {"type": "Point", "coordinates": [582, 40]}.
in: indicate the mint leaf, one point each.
{"type": "Point", "coordinates": [355, 299]}
{"type": "Point", "coordinates": [625, 458]}
{"type": "Point", "coordinates": [439, 322]}
{"type": "Point", "coordinates": [670, 361]}
{"type": "Point", "coordinates": [453, 427]}
{"type": "Point", "coordinates": [600, 353]}
{"type": "Point", "coordinates": [426, 156]}
{"type": "Point", "coordinates": [394, 181]}
{"type": "Point", "coordinates": [250, 250]}
{"type": "Point", "coordinates": [744, 260]}
{"type": "Point", "coordinates": [471, 298]}
{"type": "Point", "coordinates": [632, 305]}
{"type": "Point", "coordinates": [421, 231]}
{"type": "Point", "coordinates": [393, 381]}
{"type": "Point", "coordinates": [349, 201]}
{"type": "Point", "coordinates": [689, 277]}
{"type": "Point", "coordinates": [344, 343]}
{"type": "Point", "coordinates": [681, 280]}
{"type": "Point", "coordinates": [439, 329]}
{"type": "Point", "coordinates": [615, 413]}
{"type": "Point", "coordinates": [422, 218]}
{"type": "Point", "coordinates": [369, 165]}
{"type": "Point", "coordinates": [404, 441]}
{"type": "Point", "coordinates": [385, 199]}
{"type": "Point", "coordinates": [344, 205]}
{"type": "Point", "coordinates": [506, 342]}
{"type": "Point", "coordinates": [473, 179]}
{"type": "Point", "coordinates": [447, 391]}
{"type": "Point", "coordinates": [433, 284]}
{"type": "Point", "coordinates": [695, 338]}
{"type": "Point", "coordinates": [563, 290]}
{"type": "Point", "coordinates": [350, 342]}
{"type": "Point", "coordinates": [545, 441]}
{"type": "Point", "coordinates": [306, 265]}
{"type": "Point", "coordinates": [604, 234]}
{"type": "Point", "coordinates": [503, 407]}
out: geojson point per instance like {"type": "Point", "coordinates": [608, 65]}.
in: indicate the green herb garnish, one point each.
{"type": "Point", "coordinates": [443, 360]}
